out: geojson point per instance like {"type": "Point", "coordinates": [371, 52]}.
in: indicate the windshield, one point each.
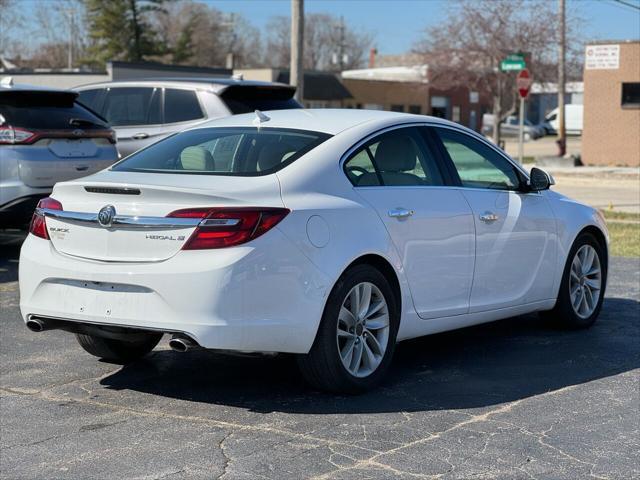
{"type": "Point", "coordinates": [241, 151]}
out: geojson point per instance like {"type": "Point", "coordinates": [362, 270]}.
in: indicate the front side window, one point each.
{"type": "Point", "coordinates": [238, 151]}
{"type": "Point", "coordinates": [181, 106]}
{"type": "Point", "coordinates": [128, 106]}
{"type": "Point", "coordinates": [477, 164]}
{"type": "Point", "coordinates": [395, 158]}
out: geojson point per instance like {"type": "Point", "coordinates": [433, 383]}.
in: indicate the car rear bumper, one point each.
{"type": "Point", "coordinates": [262, 296]}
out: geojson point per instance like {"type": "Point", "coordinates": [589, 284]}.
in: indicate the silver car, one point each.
{"type": "Point", "coordinates": [46, 137]}
{"type": "Point", "coordinates": [145, 111]}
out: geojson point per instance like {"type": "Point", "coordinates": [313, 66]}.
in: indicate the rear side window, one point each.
{"type": "Point", "coordinates": [90, 98]}
{"type": "Point", "coordinates": [130, 106]}
{"type": "Point", "coordinates": [181, 106]}
{"type": "Point", "coordinates": [396, 158]}
{"type": "Point", "coordinates": [46, 111]}
{"type": "Point", "coordinates": [237, 151]}
{"type": "Point", "coordinates": [249, 98]}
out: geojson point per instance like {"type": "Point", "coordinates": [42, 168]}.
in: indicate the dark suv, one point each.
{"type": "Point", "coordinates": [145, 111]}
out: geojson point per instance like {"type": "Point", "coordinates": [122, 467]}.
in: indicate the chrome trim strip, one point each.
{"type": "Point", "coordinates": [128, 221]}
{"type": "Point", "coordinates": [219, 222]}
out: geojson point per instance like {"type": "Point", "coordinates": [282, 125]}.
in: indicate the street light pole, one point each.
{"type": "Point", "coordinates": [296, 76]}
{"type": "Point", "coordinates": [562, 134]}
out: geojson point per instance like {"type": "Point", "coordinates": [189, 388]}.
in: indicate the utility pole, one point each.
{"type": "Point", "coordinates": [71, 13]}
{"type": "Point", "coordinates": [296, 72]}
{"type": "Point", "coordinates": [562, 134]}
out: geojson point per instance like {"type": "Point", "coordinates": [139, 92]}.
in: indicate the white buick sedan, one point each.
{"type": "Point", "coordinates": [330, 234]}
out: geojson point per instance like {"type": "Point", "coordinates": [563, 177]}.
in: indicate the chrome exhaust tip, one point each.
{"type": "Point", "coordinates": [181, 344]}
{"type": "Point", "coordinates": [36, 325]}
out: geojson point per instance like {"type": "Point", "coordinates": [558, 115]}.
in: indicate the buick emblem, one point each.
{"type": "Point", "coordinates": [78, 133]}
{"type": "Point", "coordinates": [106, 215]}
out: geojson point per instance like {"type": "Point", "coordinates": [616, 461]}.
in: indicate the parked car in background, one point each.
{"type": "Point", "coordinates": [573, 120]}
{"type": "Point", "coordinates": [144, 111]}
{"type": "Point", "coordinates": [511, 126]}
{"type": "Point", "coordinates": [329, 234]}
{"type": "Point", "coordinates": [46, 136]}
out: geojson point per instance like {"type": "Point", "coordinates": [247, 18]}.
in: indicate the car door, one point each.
{"type": "Point", "coordinates": [136, 115]}
{"type": "Point", "coordinates": [430, 224]}
{"type": "Point", "coordinates": [515, 229]}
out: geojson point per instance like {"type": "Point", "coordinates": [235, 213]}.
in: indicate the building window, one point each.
{"type": "Point", "coordinates": [631, 95]}
{"type": "Point", "coordinates": [414, 109]}
{"type": "Point", "coordinates": [397, 108]}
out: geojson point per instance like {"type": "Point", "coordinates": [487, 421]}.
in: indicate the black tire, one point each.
{"type": "Point", "coordinates": [118, 351]}
{"type": "Point", "coordinates": [322, 367]}
{"type": "Point", "coordinates": [563, 314]}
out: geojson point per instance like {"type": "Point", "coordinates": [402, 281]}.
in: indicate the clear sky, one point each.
{"type": "Point", "coordinates": [397, 24]}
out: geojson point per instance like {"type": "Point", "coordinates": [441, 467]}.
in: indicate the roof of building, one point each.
{"type": "Point", "coordinates": [327, 120]}
{"type": "Point", "coordinates": [417, 73]}
{"type": "Point", "coordinates": [169, 67]}
{"type": "Point", "coordinates": [319, 86]}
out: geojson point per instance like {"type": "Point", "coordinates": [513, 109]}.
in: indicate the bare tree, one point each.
{"type": "Point", "coordinates": [201, 35]}
{"type": "Point", "coordinates": [327, 38]}
{"type": "Point", "coordinates": [466, 48]}
{"type": "Point", "coordinates": [11, 20]}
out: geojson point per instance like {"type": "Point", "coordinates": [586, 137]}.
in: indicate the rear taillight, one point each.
{"type": "Point", "coordinates": [226, 227]}
{"type": "Point", "coordinates": [12, 135]}
{"type": "Point", "coordinates": [38, 224]}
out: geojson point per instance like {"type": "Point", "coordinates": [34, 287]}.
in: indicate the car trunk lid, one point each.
{"type": "Point", "coordinates": [141, 230]}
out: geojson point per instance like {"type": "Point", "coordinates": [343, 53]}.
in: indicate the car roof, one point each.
{"type": "Point", "coordinates": [7, 85]}
{"type": "Point", "coordinates": [326, 120]}
{"type": "Point", "coordinates": [215, 84]}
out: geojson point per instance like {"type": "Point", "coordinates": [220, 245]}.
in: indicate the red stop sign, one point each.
{"type": "Point", "coordinates": [523, 82]}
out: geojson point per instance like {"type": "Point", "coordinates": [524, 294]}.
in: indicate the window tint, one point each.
{"type": "Point", "coordinates": [395, 158]}
{"type": "Point", "coordinates": [46, 110]}
{"type": "Point", "coordinates": [181, 106]}
{"type": "Point", "coordinates": [224, 151]}
{"type": "Point", "coordinates": [128, 106]}
{"type": "Point", "coordinates": [248, 98]}
{"type": "Point", "coordinates": [89, 98]}
{"type": "Point", "coordinates": [478, 165]}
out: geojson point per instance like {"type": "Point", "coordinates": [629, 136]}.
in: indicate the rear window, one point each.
{"type": "Point", "coordinates": [249, 98]}
{"type": "Point", "coordinates": [131, 106]}
{"type": "Point", "coordinates": [47, 111]}
{"type": "Point", "coordinates": [237, 151]}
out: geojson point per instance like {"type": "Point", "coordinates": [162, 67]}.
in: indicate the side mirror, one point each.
{"type": "Point", "coordinates": [539, 180]}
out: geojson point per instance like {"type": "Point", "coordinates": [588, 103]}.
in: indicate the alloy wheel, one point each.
{"type": "Point", "coordinates": [363, 329]}
{"type": "Point", "coordinates": [585, 282]}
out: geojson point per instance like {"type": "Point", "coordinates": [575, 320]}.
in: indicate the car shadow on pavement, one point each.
{"type": "Point", "coordinates": [474, 367]}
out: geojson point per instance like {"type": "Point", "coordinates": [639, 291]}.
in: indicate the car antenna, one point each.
{"type": "Point", "coordinates": [260, 118]}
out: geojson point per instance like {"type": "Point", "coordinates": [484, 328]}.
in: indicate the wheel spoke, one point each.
{"type": "Point", "coordinates": [592, 284]}
{"type": "Point", "coordinates": [369, 358]}
{"type": "Point", "coordinates": [365, 300]}
{"type": "Point", "coordinates": [589, 254]}
{"type": "Point", "coordinates": [578, 300]}
{"type": "Point", "coordinates": [375, 308]}
{"type": "Point", "coordinates": [354, 301]}
{"type": "Point", "coordinates": [347, 352]}
{"type": "Point", "coordinates": [379, 322]}
{"type": "Point", "coordinates": [589, 300]}
{"type": "Point", "coordinates": [346, 317]}
{"type": "Point", "coordinates": [574, 275]}
{"type": "Point", "coordinates": [356, 360]}
{"type": "Point", "coordinates": [372, 341]}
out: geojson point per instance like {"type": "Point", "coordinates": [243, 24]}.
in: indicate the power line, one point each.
{"type": "Point", "coordinates": [627, 4]}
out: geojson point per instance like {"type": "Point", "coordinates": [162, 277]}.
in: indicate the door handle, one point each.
{"type": "Point", "coordinates": [140, 136]}
{"type": "Point", "coordinates": [489, 217]}
{"type": "Point", "coordinates": [400, 213]}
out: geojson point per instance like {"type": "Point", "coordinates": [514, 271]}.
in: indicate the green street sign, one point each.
{"type": "Point", "coordinates": [513, 62]}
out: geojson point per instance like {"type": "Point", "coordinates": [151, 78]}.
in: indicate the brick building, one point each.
{"type": "Point", "coordinates": [407, 89]}
{"type": "Point", "coordinates": [611, 134]}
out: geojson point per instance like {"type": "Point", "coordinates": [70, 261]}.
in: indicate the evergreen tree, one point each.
{"type": "Point", "coordinates": [121, 30]}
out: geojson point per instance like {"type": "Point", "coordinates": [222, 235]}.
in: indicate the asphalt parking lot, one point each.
{"type": "Point", "coordinates": [512, 399]}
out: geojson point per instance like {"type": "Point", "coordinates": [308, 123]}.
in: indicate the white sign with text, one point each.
{"type": "Point", "coordinates": [602, 57]}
